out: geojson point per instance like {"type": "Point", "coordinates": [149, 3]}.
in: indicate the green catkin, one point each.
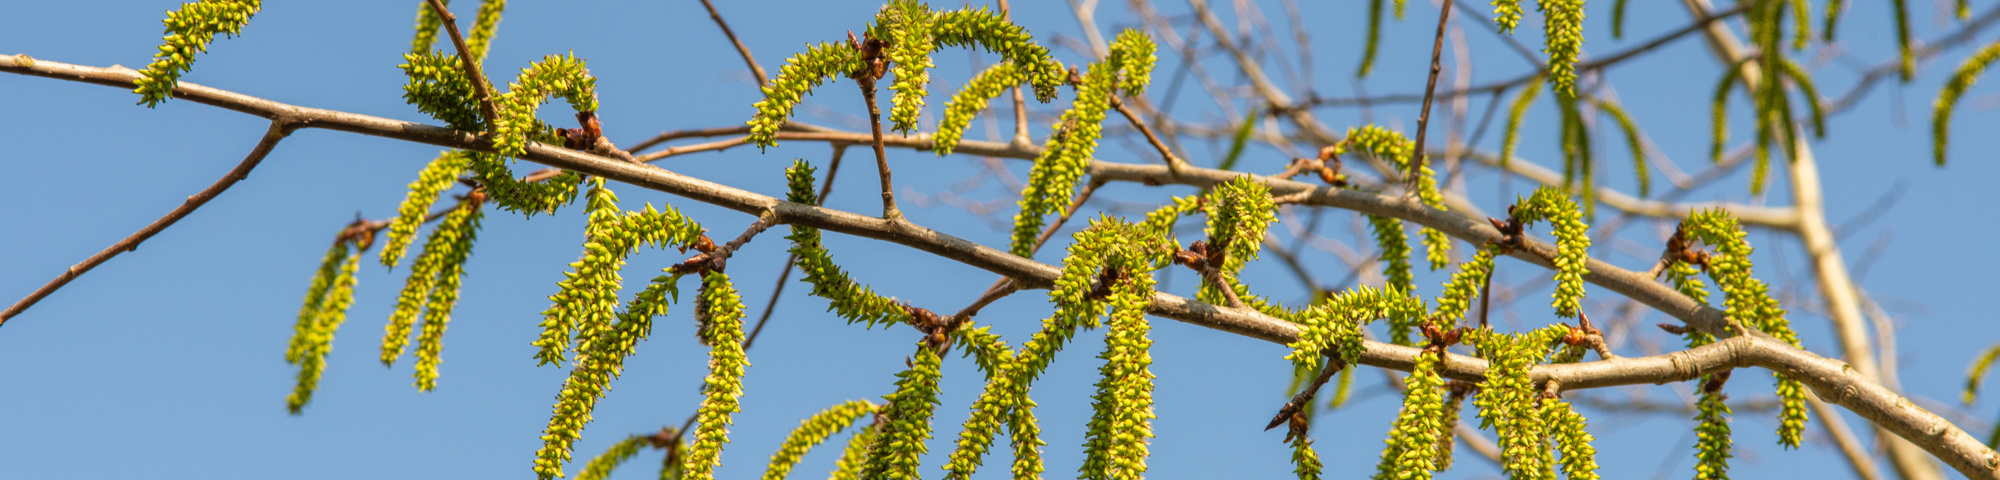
{"type": "Point", "coordinates": [189, 31]}
{"type": "Point", "coordinates": [1947, 99]}
{"type": "Point", "coordinates": [811, 432]}
{"type": "Point", "coordinates": [801, 73]}
{"type": "Point", "coordinates": [1833, 10]}
{"type": "Point", "coordinates": [1902, 13]}
{"type": "Point", "coordinates": [722, 330]}
{"type": "Point", "coordinates": [1632, 142]}
{"type": "Point", "coordinates": [1977, 372]}
{"type": "Point", "coordinates": [598, 362]}
{"type": "Point", "coordinates": [1307, 461]}
{"type": "Point", "coordinates": [427, 27]}
{"type": "Point", "coordinates": [907, 27]}
{"type": "Point", "coordinates": [1511, 135]}
{"type": "Point", "coordinates": [1412, 452]}
{"type": "Point", "coordinates": [1719, 109]}
{"type": "Point", "coordinates": [439, 175]}
{"type": "Point", "coordinates": [1618, 19]}
{"type": "Point", "coordinates": [1748, 300]}
{"type": "Point", "coordinates": [325, 309]}
{"type": "Point", "coordinates": [1447, 429]}
{"type": "Point", "coordinates": [856, 455]}
{"type": "Point", "coordinates": [1115, 445]}
{"type": "Point", "coordinates": [455, 236]}
{"type": "Point", "coordinates": [970, 27]}
{"type": "Point", "coordinates": [1802, 24]}
{"type": "Point", "coordinates": [1106, 242]}
{"type": "Point", "coordinates": [1712, 443]}
{"type": "Point", "coordinates": [1563, 29]}
{"type": "Point", "coordinates": [1566, 427]}
{"type": "Point", "coordinates": [1804, 81]}
{"type": "Point", "coordinates": [1398, 150]}
{"type": "Point", "coordinates": [1507, 13]}
{"type": "Point", "coordinates": [484, 25]}
{"type": "Point", "coordinates": [555, 75]}
{"type": "Point", "coordinates": [970, 100]}
{"type": "Point", "coordinates": [1052, 180]}
{"type": "Point", "coordinates": [1333, 327]}
{"type": "Point", "coordinates": [1395, 245]}
{"type": "Point", "coordinates": [1464, 286]}
{"type": "Point", "coordinates": [587, 297]}
{"type": "Point", "coordinates": [1572, 244]}
{"type": "Point", "coordinates": [1506, 400]}
{"type": "Point", "coordinates": [1374, 38]}
{"type": "Point", "coordinates": [440, 88]}
{"type": "Point", "coordinates": [848, 299]}
{"type": "Point", "coordinates": [907, 426]}
{"type": "Point", "coordinates": [600, 467]}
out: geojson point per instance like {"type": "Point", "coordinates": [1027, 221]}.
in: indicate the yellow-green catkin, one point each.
{"type": "Point", "coordinates": [1412, 444]}
{"type": "Point", "coordinates": [1511, 134]}
{"type": "Point", "coordinates": [1562, 22]}
{"type": "Point", "coordinates": [1052, 180]}
{"type": "Point", "coordinates": [455, 236]}
{"type": "Point", "coordinates": [1566, 427]}
{"type": "Point", "coordinates": [900, 443]}
{"type": "Point", "coordinates": [189, 31]}
{"type": "Point", "coordinates": [600, 467]}
{"type": "Point", "coordinates": [1712, 443]}
{"type": "Point", "coordinates": [555, 75]}
{"type": "Point", "coordinates": [325, 308]}
{"type": "Point", "coordinates": [1115, 444]}
{"type": "Point", "coordinates": [811, 432]}
{"type": "Point", "coordinates": [1947, 99]}
{"type": "Point", "coordinates": [439, 175]}
{"type": "Point", "coordinates": [1572, 243]}
{"type": "Point", "coordinates": [722, 330]}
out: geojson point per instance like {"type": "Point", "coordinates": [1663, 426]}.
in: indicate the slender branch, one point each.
{"type": "Point", "coordinates": [1166, 154]}
{"type": "Point", "coordinates": [1430, 87]}
{"type": "Point", "coordinates": [1833, 380]}
{"type": "Point", "coordinates": [1595, 64]}
{"type": "Point", "coordinates": [867, 83]}
{"type": "Point", "coordinates": [280, 127]}
{"type": "Point", "coordinates": [664, 137]}
{"type": "Point", "coordinates": [479, 85]}
{"type": "Point", "coordinates": [1775, 217]}
{"type": "Point", "coordinates": [757, 70]}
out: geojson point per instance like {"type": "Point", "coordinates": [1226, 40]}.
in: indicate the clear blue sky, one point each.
{"type": "Point", "coordinates": [167, 362]}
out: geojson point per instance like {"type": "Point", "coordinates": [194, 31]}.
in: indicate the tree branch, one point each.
{"type": "Point", "coordinates": [756, 70]}
{"type": "Point", "coordinates": [281, 126]}
{"type": "Point", "coordinates": [479, 85]}
{"type": "Point", "coordinates": [1832, 380]}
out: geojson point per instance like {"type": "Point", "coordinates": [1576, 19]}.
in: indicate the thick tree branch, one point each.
{"type": "Point", "coordinates": [1832, 380]}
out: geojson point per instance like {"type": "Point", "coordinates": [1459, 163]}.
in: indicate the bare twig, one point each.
{"type": "Point", "coordinates": [755, 69]}
{"type": "Point", "coordinates": [1166, 154]}
{"type": "Point", "coordinates": [479, 85]}
{"type": "Point", "coordinates": [872, 54]}
{"type": "Point", "coordinates": [1415, 174]}
{"type": "Point", "coordinates": [280, 127]}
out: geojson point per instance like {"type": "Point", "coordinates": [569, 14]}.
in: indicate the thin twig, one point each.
{"type": "Point", "coordinates": [867, 83]}
{"type": "Point", "coordinates": [762, 81]}
{"type": "Point", "coordinates": [280, 127]}
{"type": "Point", "coordinates": [1166, 155]}
{"type": "Point", "coordinates": [479, 85]}
{"type": "Point", "coordinates": [1415, 175]}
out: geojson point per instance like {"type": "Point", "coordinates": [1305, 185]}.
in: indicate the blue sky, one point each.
{"type": "Point", "coordinates": [167, 362]}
